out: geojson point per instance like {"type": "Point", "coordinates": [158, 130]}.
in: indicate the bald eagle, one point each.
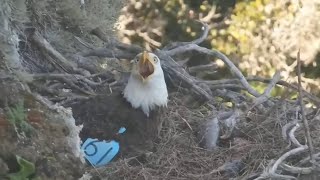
{"type": "Point", "coordinates": [146, 88]}
{"type": "Point", "coordinates": [139, 108]}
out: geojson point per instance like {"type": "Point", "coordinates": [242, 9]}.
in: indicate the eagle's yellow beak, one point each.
{"type": "Point", "coordinates": [146, 66]}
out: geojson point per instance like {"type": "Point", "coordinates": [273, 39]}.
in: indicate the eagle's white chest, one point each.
{"type": "Point", "coordinates": [146, 95]}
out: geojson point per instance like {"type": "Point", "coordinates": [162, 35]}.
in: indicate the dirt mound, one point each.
{"type": "Point", "coordinates": [45, 144]}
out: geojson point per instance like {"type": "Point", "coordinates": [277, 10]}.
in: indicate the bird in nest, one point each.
{"type": "Point", "coordinates": [139, 108]}
{"type": "Point", "coordinates": [146, 88]}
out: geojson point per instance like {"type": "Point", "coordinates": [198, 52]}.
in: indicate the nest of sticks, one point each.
{"type": "Point", "coordinates": [222, 129]}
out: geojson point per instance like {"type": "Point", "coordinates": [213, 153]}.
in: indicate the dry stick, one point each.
{"type": "Point", "coordinates": [307, 159]}
{"type": "Point", "coordinates": [46, 46]}
{"type": "Point", "coordinates": [84, 43]}
{"type": "Point", "coordinates": [215, 53]}
{"type": "Point", "coordinates": [285, 130]}
{"type": "Point", "coordinates": [204, 67]}
{"type": "Point", "coordinates": [296, 170]}
{"type": "Point", "coordinates": [266, 94]}
{"type": "Point", "coordinates": [227, 86]}
{"type": "Point", "coordinates": [67, 78]}
{"type": "Point", "coordinates": [272, 171]}
{"type": "Point", "coordinates": [227, 94]}
{"type": "Point", "coordinates": [59, 59]}
{"type": "Point", "coordinates": [70, 76]}
{"type": "Point", "coordinates": [171, 68]}
{"type": "Point", "coordinates": [292, 137]}
{"type": "Point", "coordinates": [305, 122]}
{"type": "Point", "coordinates": [196, 41]}
{"type": "Point", "coordinates": [286, 155]}
{"type": "Point", "coordinates": [312, 98]}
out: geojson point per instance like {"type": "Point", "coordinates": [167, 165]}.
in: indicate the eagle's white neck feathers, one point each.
{"type": "Point", "coordinates": [147, 94]}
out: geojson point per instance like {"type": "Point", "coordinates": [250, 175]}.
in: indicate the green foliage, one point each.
{"type": "Point", "coordinates": [262, 36]}
{"type": "Point", "coordinates": [26, 170]}
{"type": "Point", "coordinates": [249, 19]}
{"type": "Point", "coordinates": [17, 117]}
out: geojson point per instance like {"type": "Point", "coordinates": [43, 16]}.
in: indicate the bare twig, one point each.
{"type": "Point", "coordinates": [227, 86]}
{"type": "Point", "coordinates": [217, 54]}
{"type": "Point", "coordinates": [235, 97]}
{"type": "Point", "coordinates": [311, 97]}
{"type": "Point", "coordinates": [305, 121]}
{"type": "Point", "coordinates": [61, 61]}
{"type": "Point", "coordinates": [285, 130]}
{"type": "Point", "coordinates": [84, 43]}
{"type": "Point", "coordinates": [272, 171]}
{"type": "Point", "coordinates": [179, 74]}
{"type": "Point", "coordinates": [211, 14]}
{"type": "Point", "coordinates": [204, 35]}
{"type": "Point", "coordinates": [292, 137]}
{"type": "Point", "coordinates": [307, 159]}
{"type": "Point", "coordinates": [266, 94]}
{"type": "Point", "coordinates": [67, 78]}
{"type": "Point", "coordinates": [296, 170]}
{"type": "Point", "coordinates": [205, 67]}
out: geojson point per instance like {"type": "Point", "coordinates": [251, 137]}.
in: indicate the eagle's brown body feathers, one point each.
{"type": "Point", "coordinates": [138, 108]}
{"type": "Point", "coordinates": [102, 117]}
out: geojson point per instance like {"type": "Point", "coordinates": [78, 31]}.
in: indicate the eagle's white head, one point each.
{"type": "Point", "coordinates": [146, 88]}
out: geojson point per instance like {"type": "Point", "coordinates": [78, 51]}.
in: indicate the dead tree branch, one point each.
{"type": "Point", "coordinates": [266, 94]}
{"type": "Point", "coordinates": [296, 170]}
{"type": "Point", "coordinates": [214, 53]}
{"type": "Point", "coordinates": [200, 68]}
{"type": "Point", "coordinates": [59, 60]}
{"type": "Point", "coordinates": [271, 172]}
{"type": "Point", "coordinates": [292, 137]}
{"type": "Point", "coordinates": [305, 121]}
{"type": "Point", "coordinates": [311, 97]}
{"type": "Point", "coordinates": [69, 79]}
{"type": "Point", "coordinates": [179, 74]}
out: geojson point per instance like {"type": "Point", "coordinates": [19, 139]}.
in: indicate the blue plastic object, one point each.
{"type": "Point", "coordinates": [122, 130]}
{"type": "Point", "coordinates": [99, 153]}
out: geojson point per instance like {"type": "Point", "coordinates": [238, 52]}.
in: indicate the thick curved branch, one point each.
{"type": "Point", "coordinates": [56, 58]}
{"type": "Point", "coordinates": [176, 72]}
{"type": "Point", "coordinates": [272, 171]}
{"type": "Point", "coordinates": [217, 54]}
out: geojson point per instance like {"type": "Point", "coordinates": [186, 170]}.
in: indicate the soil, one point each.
{"type": "Point", "coordinates": [53, 143]}
{"type": "Point", "coordinates": [46, 146]}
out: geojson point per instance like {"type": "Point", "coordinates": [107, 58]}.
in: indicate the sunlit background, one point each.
{"type": "Point", "coordinates": [260, 36]}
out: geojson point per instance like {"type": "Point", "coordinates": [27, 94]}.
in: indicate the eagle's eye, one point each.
{"type": "Point", "coordinates": [136, 59]}
{"type": "Point", "coordinates": [156, 59]}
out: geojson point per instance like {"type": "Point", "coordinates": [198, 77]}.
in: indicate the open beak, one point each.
{"type": "Point", "coordinates": [146, 68]}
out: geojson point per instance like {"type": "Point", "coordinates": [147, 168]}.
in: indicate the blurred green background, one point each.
{"type": "Point", "coordinates": [259, 36]}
